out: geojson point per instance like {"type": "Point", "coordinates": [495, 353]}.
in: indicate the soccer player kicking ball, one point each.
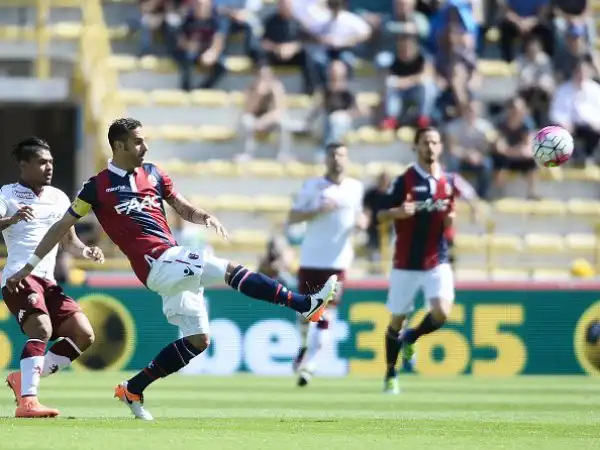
{"type": "Point", "coordinates": [421, 204]}
{"type": "Point", "coordinates": [28, 209]}
{"type": "Point", "coordinates": [332, 206]}
{"type": "Point", "coordinates": [127, 198]}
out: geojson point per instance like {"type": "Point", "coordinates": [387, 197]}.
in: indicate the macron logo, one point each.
{"type": "Point", "coordinates": [138, 205]}
{"type": "Point", "coordinates": [116, 188]}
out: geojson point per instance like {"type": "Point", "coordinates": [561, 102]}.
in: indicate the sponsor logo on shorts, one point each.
{"type": "Point", "coordinates": [53, 368]}
{"type": "Point", "coordinates": [33, 299]}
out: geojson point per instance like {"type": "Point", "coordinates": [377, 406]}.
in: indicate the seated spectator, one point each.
{"type": "Point", "coordinates": [470, 139]}
{"type": "Point", "coordinates": [374, 201]}
{"type": "Point", "coordinates": [278, 262]}
{"type": "Point", "coordinates": [282, 44]}
{"type": "Point", "coordinates": [456, 70]}
{"type": "Point", "coordinates": [244, 18]}
{"type": "Point", "coordinates": [575, 12]}
{"type": "Point", "coordinates": [575, 48]}
{"type": "Point", "coordinates": [395, 24]}
{"type": "Point", "coordinates": [536, 81]}
{"type": "Point", "coordinates": [512, 152]}
{"type": "Point", "coordinates": [336, 31]}
{"type": "Point", "coordinates": [148, 23]}
{"type": "Point", "coordinates": [265, 111]}
{"type": "Point", "coordinates": [338, 103]}
{"type": "Point", "coordinates": [202, 41]}
{"type": "Point", "coordinates": [409, 80]}
{"type": "Point", "coordinates": [523, 18]}
{"type": "Point", "coordinates": [458, 16]}
{"type": "Point", "coordinates": [576, 107]}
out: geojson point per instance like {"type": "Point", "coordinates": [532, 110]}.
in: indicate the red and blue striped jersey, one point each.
{"type": "Point", "coordinates": [421, 242]}
{"type": "Point", "coordinates": [129, 207]}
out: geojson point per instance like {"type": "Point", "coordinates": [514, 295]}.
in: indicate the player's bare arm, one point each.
{"type": "Point", "coordinates": [72, 244]}
{"type": "Point", "coordinates": [190, 213]}
{"type": "Point", "coordinates": [54, 235]}
{"type": "Point", "coordinates": [404, 211]}
{"type": "Point", "coordinates": [24, 213]}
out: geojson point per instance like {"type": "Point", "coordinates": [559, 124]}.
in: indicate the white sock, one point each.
{"type": "Point", "coordinates": [316, 340]}
{"type": "Point", "coordinates": [53, 363]}
{"type": "Point", "coordinates": [304, 327]}
{"type": "Point", "coordinates": [31, 370]}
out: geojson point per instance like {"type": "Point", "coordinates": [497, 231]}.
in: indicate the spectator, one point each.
{"type": "Point", "coordinates": [202, 41]}
{"type": "Point", "coordinates": [458, 16]}
{"type": "Point", "coordinates": [375, 200]}
{"type": "Point", "coordinates": [409, 81]}
{"type": "Point", "coordinates": [278, 261]}
{"type": "Point", "coordinates": [513, 147]}
{"type": "Point", "coordinates": [536, 81]}
{"type": "Point", "coordinates": [148, 23]}
{"type": "Point", "coordinates": [569, 12]}
{"type": "Point", "coordinates": [522, 18]}
{"type": "Point", "coordinates": [576, 107]}
{"type": "Point", "coordinates": [470, 138]}
{"type": "Point", "coordinates": [339, 105]}
{"type": "Point", "coordinates": [244, 18]}
{"type": "Point", "coordinates": [265, 111]}
{"type": "Point", "coordinates": [575, 48]}
{"type": "Point", "coordinates": [282, 44]}
{"type": "Point", "coordinates": [392, 25]}
{"type": "Point", "coordinates": [336, 31]}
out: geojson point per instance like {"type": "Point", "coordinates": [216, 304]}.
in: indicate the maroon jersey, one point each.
{"type": "Point", "coordinates": [421, 242]}
{"type": "Point", "coordinates": [129, 206]}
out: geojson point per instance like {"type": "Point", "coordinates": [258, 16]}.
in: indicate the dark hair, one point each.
{"type": "Point", "coordinates": [333, 146]}
{"type": "Point", "coordinates": [28, 148]}
{"type": "Point", "coordinates": [421, 131]}
{"type": "Point", "coordinates": [119, 130]}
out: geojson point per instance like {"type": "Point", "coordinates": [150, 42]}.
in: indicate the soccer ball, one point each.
{"type": "Point", "coordinates": [552, 146]}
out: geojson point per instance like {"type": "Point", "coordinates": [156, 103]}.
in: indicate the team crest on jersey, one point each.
{"type": "Point", "coordinates": [33, 298]}
{"type": "Point", "coordinates": [152, 180]}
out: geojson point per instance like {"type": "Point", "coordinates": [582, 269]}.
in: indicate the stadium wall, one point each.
{"type": "Point", "coordinates": [494, 330]}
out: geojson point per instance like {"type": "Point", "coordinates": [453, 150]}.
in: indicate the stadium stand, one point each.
{"type": "Point", "coordinates": [195, 136]}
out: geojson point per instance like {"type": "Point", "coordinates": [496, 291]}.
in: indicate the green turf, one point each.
{"type": "Point", "coordinates": [246, 412]}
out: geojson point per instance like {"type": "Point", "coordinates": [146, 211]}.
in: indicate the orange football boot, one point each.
{"type": "Point", "coordinates": [30, 407]}
{"type": "Point", "coordinates": [13, 381]}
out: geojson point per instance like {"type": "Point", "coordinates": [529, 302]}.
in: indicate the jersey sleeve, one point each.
{"type": "Point", "coordinates": [305, 199]}
{"type": "Point", "coordinates": [463, 188]}
{"type": "Point", "coordinates": [3, 205]}
{"type": "Point", "coordinates": [85, 200]}
{"type": "Point", "coordinates": [396, 194]}
{"type": "Point", "coordinates": [168, 188]}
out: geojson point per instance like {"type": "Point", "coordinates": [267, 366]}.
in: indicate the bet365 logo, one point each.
{"type": "Point", "coordinates": [138, 205]}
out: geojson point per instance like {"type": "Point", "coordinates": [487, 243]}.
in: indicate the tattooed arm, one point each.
{"type": "Point", "coordinates": [190, 213]}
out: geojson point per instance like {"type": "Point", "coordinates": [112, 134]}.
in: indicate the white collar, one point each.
{"type": "Point", "coordinates": [116, 170]}
{"type": "Point", "coordinates": [437, 175]}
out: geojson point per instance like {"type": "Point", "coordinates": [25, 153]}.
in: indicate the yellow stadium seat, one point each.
{"type": "Point", "coordinates": [216, 133]}
{"type": "Point", "coordinates": [170, 97]}
{"type": "Point", "coordinates": [544, 243]}
{"type": "Point", "coordinates": [267, 168]}
{"type": "Point", "coordinates": [13, 32]}
{"type": "Point", "coordinates": [298, 170]}
{"type": "Point", "coordinates": [299, 101]}
{"type": "Point", "coordinates": [218, 167]}
{"type": "Point", "coordinates": [120, 32]}
{"type": "Point", "coordinates": [273, 203]}
{"type": "Point", "coordinates": [155, 64]}
{"type": "Point", "coordinates": [504, 243]}
{"type": "Point", "coordinates": [406, 134]}
{"type": "Point", "coordinates": [209, 203]}
{"type": "Point", "coordinates": [210, 97]}
{"type": "Point", "coordinates": [583, 207]}
{"type": "Point", "coordinates": [511, 206]}
{"type": "Point", "coordinates": [470, 242]}
{"type": "Point", "coordinates": [238, 64]}
{"type": "Point", "coordinates": [498, 274]}
{"type": "Point", "coordinates": [66, 30]}
{"type": "Point", "coordinates": [495, 68]}
{"type": "Point", "coordinates": [581, 242]}
{"type": "Point", "coordinates": [471, 274]}
{"type": "Point", "coordinates": [548, 207]}
{"type": "Point", "coordinates": [134, 97]}
{"type": "Point", "coordinates": [177, 166]}
{"type": "Point", "coordinates": [151, 132]}
{"type": "Point", "coordinates": [551, 275]}
{"type": "Point", "coordinates": [230, 202]}
{"type": "Point", "coordinates": [356, 170]}
{"type": "Point", "coordinates": [368, 99]}
{"type": "Point", "coordinates": [237, 98]}
{"type": "Point", "coordinates": [374, 169]}
{"type": "Point", "coordinates": [124, 63]}
{"type": "Point", "coordinates": [249, 239]}
{"type": "Point", "coordinates": [182, 133]}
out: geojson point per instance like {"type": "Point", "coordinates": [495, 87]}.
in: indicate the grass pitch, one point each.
{"type": "Point", "coordinates": [246, 412]}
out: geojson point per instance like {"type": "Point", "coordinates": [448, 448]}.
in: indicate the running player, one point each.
{"type": "Point", "coordinates": [422, 207]}
{"type": "Point", "coordinates": [332, 206]}
{"type": "Point", "coordinates": [28, 209]}
{"type": "Point", "coordinates": [127, 199]}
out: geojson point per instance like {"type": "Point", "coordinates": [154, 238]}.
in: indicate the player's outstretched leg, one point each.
{"type": "Point", "coordinates": [317, 338]}
{"type": "Point", "coordinates": [261, 287]}
{"type": "Point", "coordinates": [304, 327]}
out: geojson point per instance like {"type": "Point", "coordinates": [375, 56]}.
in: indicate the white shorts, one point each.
{"type": "Point", "coordinates": [406, 284]}
{"type": "Point", "coordinates": [179, 276]}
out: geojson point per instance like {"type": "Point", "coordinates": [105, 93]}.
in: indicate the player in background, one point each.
{"type": "Point", "coordinates": [421, 204]}
{"type": "Point", "coordinates": [332, 207]}
{"type": "Point", "coordinates": [127, 198]}
{"type": "Point", "coordinates": [28, 208]}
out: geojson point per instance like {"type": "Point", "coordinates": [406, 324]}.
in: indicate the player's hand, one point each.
{"type": "Point", "coordinates": [213, 222]}
{"type": "Point", "coordinates": [24, 213]}
{"type": "Point", "coordinates": [94, 253]}
{"type": "Point", "coordinates": [15, 282]}
{"type": "Point", "coordinates": [408, 208]}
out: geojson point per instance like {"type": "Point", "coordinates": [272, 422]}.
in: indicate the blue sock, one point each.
{"type": "Point", "coordinates": [170, 359]}
{"type": "Point", "coordinates": [427, 325]}
{"type": "Point", "coordinates": [261, 287]}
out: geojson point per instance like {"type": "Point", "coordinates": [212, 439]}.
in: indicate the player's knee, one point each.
{"type": "Point", "coordinates": [234, 274]}
{"type": "Point", "coordinates": [397, 322]}
{"type": "Point", "coordinates": [199, 341]}
{"type": "Point", "coordinates": [38, 326]}
{"type": "Point", "coordinates": [84, 337]}
{"type": "Point", "coordinates": [440, 314]}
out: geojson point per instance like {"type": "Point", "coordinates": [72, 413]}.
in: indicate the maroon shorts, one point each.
{"type": "Point", "coordinates": [43, 296]}
{"type": "Point", "coordinates": [311, 281]}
